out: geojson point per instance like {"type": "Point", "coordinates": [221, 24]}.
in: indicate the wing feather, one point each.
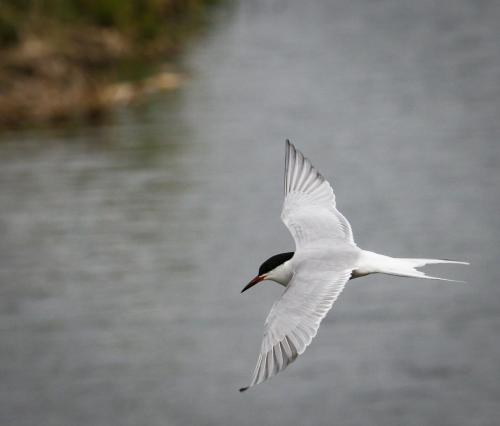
{"type": "Point", "coordinates": [295, 318]}
{"type": "Point", "coordinates": [309, 210]}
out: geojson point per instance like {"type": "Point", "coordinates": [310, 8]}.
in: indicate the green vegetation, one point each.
{"type": "Point", "coordinates": [140, 20]}
{"type": "Point", "coordinates": [62, 59]}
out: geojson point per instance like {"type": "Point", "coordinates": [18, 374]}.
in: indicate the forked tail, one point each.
{"type": "Point", "coordinates": [403, 267]}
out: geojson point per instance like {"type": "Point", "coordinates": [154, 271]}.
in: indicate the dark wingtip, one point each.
{"type": "Point", "coordinates": [244, 389]}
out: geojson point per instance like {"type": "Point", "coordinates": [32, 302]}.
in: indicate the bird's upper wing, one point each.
{"type": "Point", "coordinates": [295, 318]}
{"type": "Point", "coordinates": [309, 210]}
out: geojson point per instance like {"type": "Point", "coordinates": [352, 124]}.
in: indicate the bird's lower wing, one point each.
{"type": "Point", "coordinates": [295, 318]}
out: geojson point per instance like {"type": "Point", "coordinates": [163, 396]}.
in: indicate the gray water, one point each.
{"type": "Point", "coordinates": [124, 246]}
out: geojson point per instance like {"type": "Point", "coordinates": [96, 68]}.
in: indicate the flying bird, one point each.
{"type": "Point", "coordinates": [325, 258]}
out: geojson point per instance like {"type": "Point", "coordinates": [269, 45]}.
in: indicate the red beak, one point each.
{"type": "Point", "coordinates": [256, 280]}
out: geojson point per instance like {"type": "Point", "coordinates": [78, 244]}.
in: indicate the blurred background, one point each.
{"type": "Point", "coordinates": [141, 162]}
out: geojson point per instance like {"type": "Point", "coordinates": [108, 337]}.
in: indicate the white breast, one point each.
{"type": "Point", "coordinates": [282, 274]}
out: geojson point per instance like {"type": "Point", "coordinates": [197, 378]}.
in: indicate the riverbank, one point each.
{"type": "Point", "coordinates": [55, 68]}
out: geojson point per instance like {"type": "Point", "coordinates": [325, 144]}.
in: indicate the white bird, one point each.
{"type": "Point", "coordinates": [325, 258]}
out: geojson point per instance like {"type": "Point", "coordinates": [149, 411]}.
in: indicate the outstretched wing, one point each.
{"type": "Point", "coordinates": [309, 210]}
{"type": "Point", "coordinates": [317, 227]}
{"type": "Point", "coordinates": [295, 318]}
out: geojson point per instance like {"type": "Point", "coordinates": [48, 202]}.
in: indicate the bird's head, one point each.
{"type": "Point", "coordinates": [277, 268]}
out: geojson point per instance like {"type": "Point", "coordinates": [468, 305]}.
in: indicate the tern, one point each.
{"type": "Point", "coordinates": [325, 258]}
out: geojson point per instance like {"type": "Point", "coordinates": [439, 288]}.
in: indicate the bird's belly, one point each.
{"type": "Point", "coordinates": [340, 257]}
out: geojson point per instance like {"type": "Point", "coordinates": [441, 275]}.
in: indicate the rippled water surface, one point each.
{"type": "Point", "coordinates": [124, 246]}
